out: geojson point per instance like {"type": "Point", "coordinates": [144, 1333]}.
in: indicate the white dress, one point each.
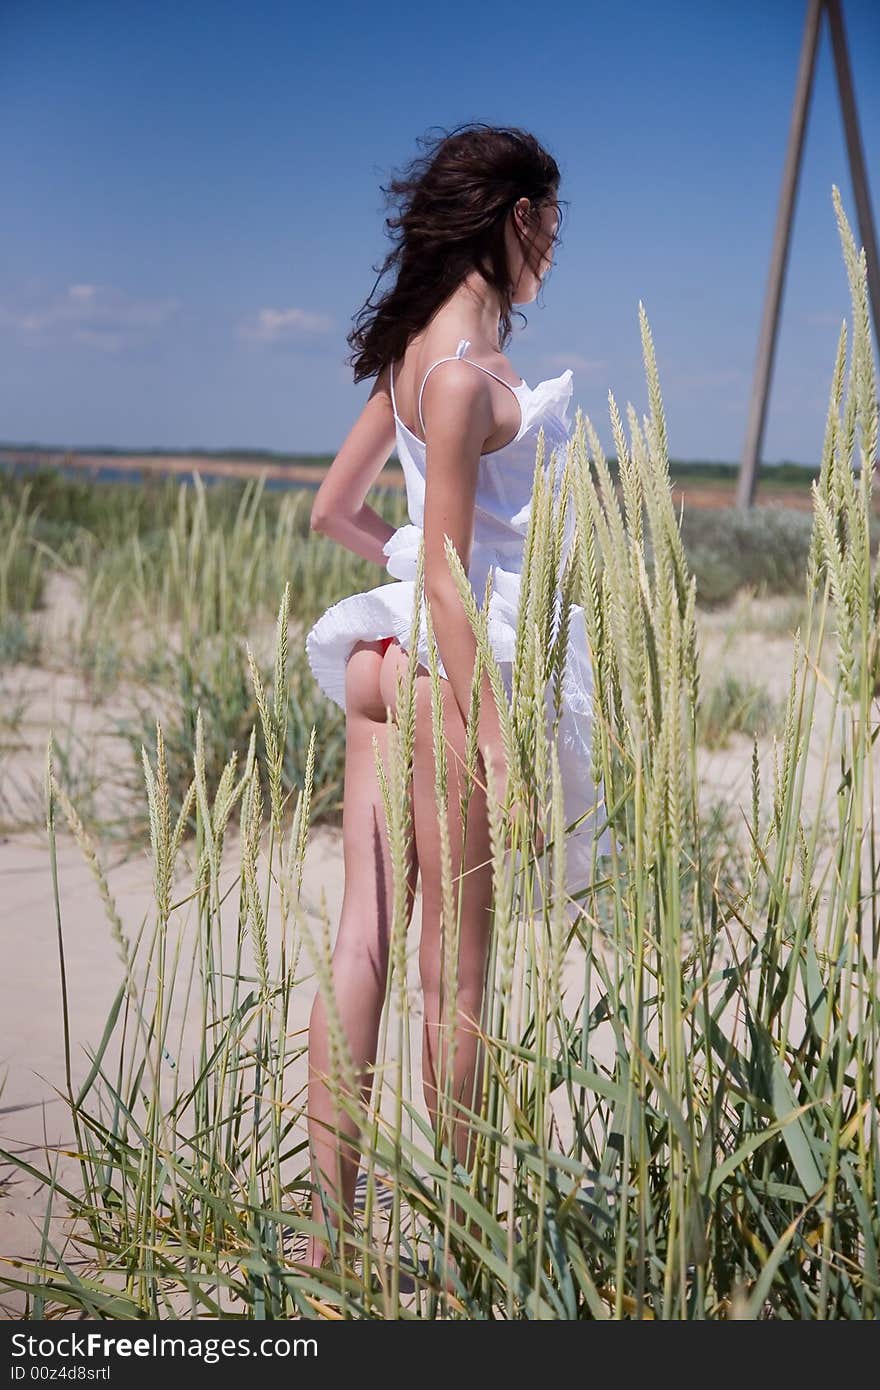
{"type": "Point", "coordinates": [501, 517]}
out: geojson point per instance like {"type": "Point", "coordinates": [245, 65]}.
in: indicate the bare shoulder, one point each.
{"type": "Point", "coordinates": [456, 402]}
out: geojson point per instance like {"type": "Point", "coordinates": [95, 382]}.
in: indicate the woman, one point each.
{"type": "Point", "coordinates": [478, 222]}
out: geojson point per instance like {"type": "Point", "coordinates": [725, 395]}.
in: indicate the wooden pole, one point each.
{"type": "Point", "coordinates": [746, 483]}
{"type": "Point", "coordinates": [856, 154]}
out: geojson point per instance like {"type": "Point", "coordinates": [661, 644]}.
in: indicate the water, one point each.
{"type": "Point", "coordinates": [113, 474]}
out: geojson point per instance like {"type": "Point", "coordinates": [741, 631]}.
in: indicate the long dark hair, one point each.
{"type": "Point", "coordinates": [453, 203]}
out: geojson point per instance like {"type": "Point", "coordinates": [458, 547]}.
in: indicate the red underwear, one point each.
{"type": "Point", "coordinates": [386, 643]}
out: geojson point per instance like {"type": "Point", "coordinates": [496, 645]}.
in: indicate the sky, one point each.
{"type": "Point", "coordinates": [193, 208]}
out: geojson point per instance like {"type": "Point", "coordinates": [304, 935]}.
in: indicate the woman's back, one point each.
{"type": "Point", "coordinates": [505, 475]}
{"type": "Point", "coordinates": [411, 373]}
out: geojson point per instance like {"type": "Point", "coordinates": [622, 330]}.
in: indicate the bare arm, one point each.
{"type": "Point", "coordinates": [458, 419]}
{"type": "Point", "coordinates": [340, 510]}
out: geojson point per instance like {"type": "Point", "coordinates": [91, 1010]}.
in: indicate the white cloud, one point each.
{"type": "Point", "coordinates": [284, 325]}
{"type": "Point", "coordinates": [99, 315]}
{"type": "Point", "coordinates": [575, 361]}
{"type": "Point", "coordinates": [823, 318]}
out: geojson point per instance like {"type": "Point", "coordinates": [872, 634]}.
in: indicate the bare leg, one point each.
{"type": "Point", "coordinates": [360, 955]}
{"type": "Point", "coordinates": [472, 884]}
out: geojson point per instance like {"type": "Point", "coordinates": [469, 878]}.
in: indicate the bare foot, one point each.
{"type": "Point", "coordinates": [317, 1254]}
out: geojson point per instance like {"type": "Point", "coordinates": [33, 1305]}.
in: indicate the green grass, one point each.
{"type": "Point", "coordinates": [733, 705]}
{"type": "Point", "coordinates": [171, 581]}
{"type": "Point", "coordinates": [22, 563]}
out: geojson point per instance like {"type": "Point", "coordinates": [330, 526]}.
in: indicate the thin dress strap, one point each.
{"type": "Point", "coordinates": [393, 401]}
{"type": "Point", "coordinates": [460, 351]}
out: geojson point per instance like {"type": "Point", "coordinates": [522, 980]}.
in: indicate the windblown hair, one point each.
{"type": "Point", "coordinates": [453, 202]}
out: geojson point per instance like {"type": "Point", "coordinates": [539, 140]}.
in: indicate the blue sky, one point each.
{"type": "Point", "coordinates": [193, 209]}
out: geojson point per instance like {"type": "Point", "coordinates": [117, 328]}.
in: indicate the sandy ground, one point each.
{"type": "Point", "coordinates": [33, 1112]}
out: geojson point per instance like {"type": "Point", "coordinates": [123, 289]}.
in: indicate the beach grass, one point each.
{"type": "Point", "coordinates": [677, 1115]}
